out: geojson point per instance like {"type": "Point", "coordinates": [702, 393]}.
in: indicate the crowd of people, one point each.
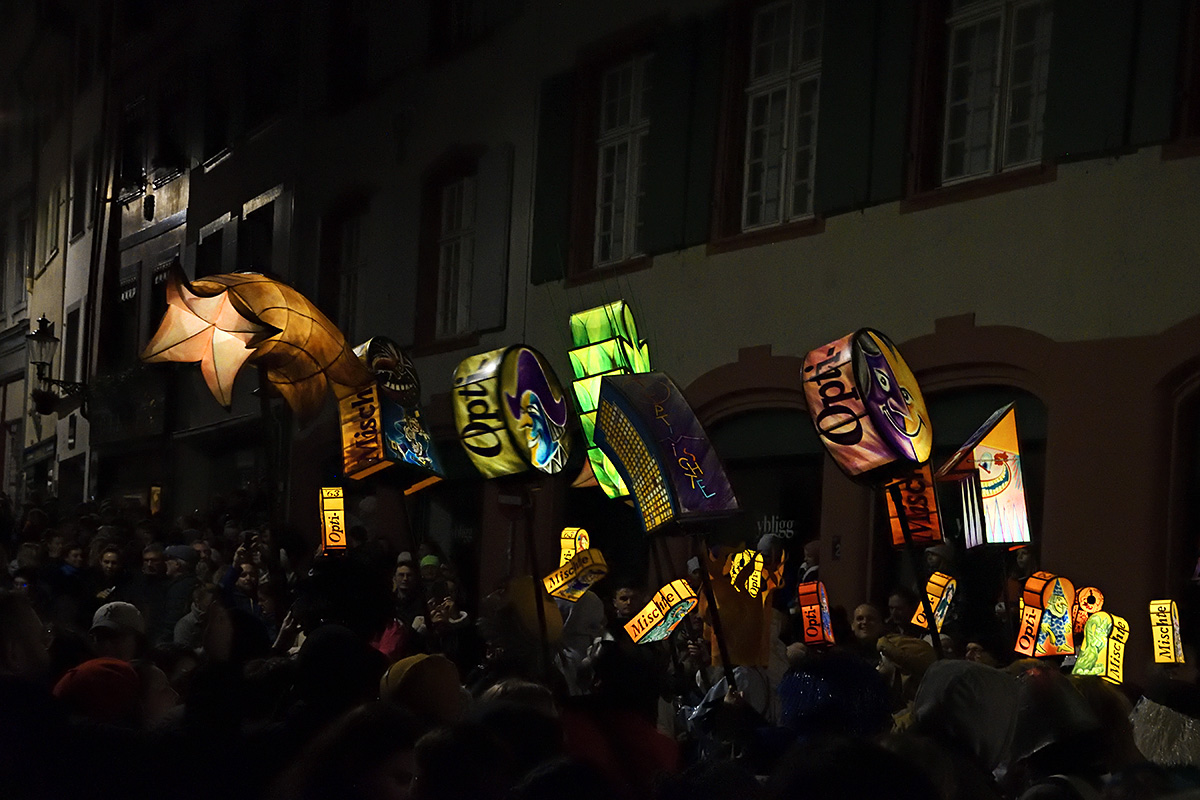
{"type": "Point", "coordinates": [220, 656]}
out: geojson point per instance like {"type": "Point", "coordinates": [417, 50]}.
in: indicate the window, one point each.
{"type": "Point", "coordinates": [79, 195]}
{"type": "Point", "coordinates": [621, 161]}
{"type": "Point", "coordinates": [456, 254]}
{"type": "Point", "coordinates": [70, 364]}
{"type": "Point", "coordinates": [256, 239]}
{"type": "Point", "coordinates": [132, 164]}
{"type": "Point", "coordinates": [998, 54]}
{"type": "Point", "coordinates": [24, 259]}
{"type": "Point", "coordinates": [781, 113]}
{"type": "Point", "coordinates": [50, 233]}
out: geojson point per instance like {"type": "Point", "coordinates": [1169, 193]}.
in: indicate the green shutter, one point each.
{"type": "Point", "coordinates": [1155, 72]}
{"type": "Point", "coordinates": [702, 138]}
{"type": "Point", "coordinates": [893, 93]}
{"type": "Point", "coordinates": [843, 172]}
{"type": "Point", "coordinates": [1087, 92]}
{"type": "Point", "coordinates": [552, 189]}
{"type": "Point", "coordinates": [670, 75]}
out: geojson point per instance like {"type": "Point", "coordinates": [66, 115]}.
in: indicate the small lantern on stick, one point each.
{"type": "Point", "coordinates": [1046, 627]}
{"type": "Point", "coordinates": [1164, 621]}
{"type": "Point", "coordinates": [814, 613]}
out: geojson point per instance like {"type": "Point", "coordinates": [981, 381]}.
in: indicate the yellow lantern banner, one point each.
{"type": "Point", "coordinates": [572, 579]}
{"type": "Point", "coordinates": [333, 520]}
{"type": "Point", "coordinates": [571, 541]}
{"type": "Point", "coordinates": [1164, 621]}
{"type": "Point", "coordinates": [814, 613]}
{"type": "Point", "coordinates": [225, 321]}
{"type": "Point", "coordinates": [511, 412]}
{"type": "Point", "coordinates": [941, 589]}
{"type": "Point", "coordinates": [665, 610]}
{"type": "Point", "coordinates": [919, 499]}
{"type": "Point", "coordinates": [1046, 625]}
{"type": "Point", "coordinates": [362, 443]}
{"type": "Point", "coordinates": [1102, 652]}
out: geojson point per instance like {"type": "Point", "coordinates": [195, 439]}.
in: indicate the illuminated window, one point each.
{"type": "Point", "coordinates": [998, 56]}
{"type": "Point", "coordinates": [781, 112]}
{"type": "Point", "coordinates": [621, 169]}
{"type": "Point", "coordinates": [456, 254]}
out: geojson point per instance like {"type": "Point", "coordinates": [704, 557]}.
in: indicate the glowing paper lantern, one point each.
{"type": "Point", "coordinates": [605, 343]}
{"type": "Point", "coordinates": [652, 435]}
{"type": "Point", "coordinates": [987, 470]}
{"type": "Point", "coordinates": [920, 507]}
{"type": "Point", "coordinates": [866, 405]}
{"type": "Point", "coordinates": [571, 541]}
{"type": "Point", "coordinates": [1046, 626]}
{"type": "Point", "coordinates": [1088, 601]}
{"type": "Point", "coordinates": [511, 412]}
{"type": "Point", "coordinates": [1103, 650]}
{"type": "Point", "coordinates": [753, 576]}
{"type": "Point", "coordinates": [1164, 621]}
{"type": "Point", "coordinates": [575, 577]}
{"type": "Point", "coordinates": [814, 613]}
{"type": "Point", "coordinates": [665, 610]}
{"type": "Point", "coordinates": [362, 442]}
{"type": "Point", "coordinates": [405, 439]}
{"type": "Point", "coordinates": [941, 588]}
{"type": "Point", "coordinates": [333, 520]}
{"type": "Point", "coordinates": [223, 321]}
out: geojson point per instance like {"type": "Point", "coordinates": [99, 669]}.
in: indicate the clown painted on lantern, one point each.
{"type": "Point", "coordinates": [893, 400]}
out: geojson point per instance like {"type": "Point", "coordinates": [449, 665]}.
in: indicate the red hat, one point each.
{"type": "Point", "coordinates": [103, 690]}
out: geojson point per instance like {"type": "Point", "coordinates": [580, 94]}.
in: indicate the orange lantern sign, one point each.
{"type": "Point", "coordinates": [1102, 652]}
{"type": "Point", "coordinates": [941, 589]}
{"type": "Point", "coordinates": [1088, 601]}
{"type": "Point", "coordinates": [575, 577]}
{"type": "Point", "coordinates": [1046, 625]}
{"type": "Point", "coordinates": [814, 613]}
{"type": "Point", "coordinates": [571, 541]}
{"type": "Point", "coordinates": [919, 500]}
{"type": "Point", "coordinates": [1164, 621]}
{"type": "Point", "coordinates": [333, 519]}
{"type": "Point", "coordinates": [665, 610]}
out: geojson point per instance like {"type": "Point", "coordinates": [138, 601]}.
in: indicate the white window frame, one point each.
{"type": "Point", "coordinates": [621, 189]}
{"type": "Point", "coordinates": [53, 221]}
{"type": "Point", "coordinates": [801, 72]}
{"type": "Point", "coordinates": [456, 256]}
{"type": "Point", "coordinates": [969, 14]}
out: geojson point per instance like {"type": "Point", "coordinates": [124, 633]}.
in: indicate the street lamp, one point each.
{"type": "Point", "coordinates": [41, 345]}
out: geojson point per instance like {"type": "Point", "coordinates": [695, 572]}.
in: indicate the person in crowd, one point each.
{"type": "Point", "coordinates": [431, 568]}
{"type": "Point", "coordinates": [868, 627]}
{"type": "Point", "coordinates": [103, 690]}
{"type": "Point", "coordinates": [428, 686]}
{"type": "Point", "coordinates": [446, 628]}
{"type": "Point", "coordinates": [410, 600]}
{"type": "Point", "coordinates": [118, 631]}
{"type": "Point", "coordinates": [628, 598]}
{"type": "Point", "coordinates": [902, 605]}
{"type": "Point", "coordinates": [177, 600]}
{"type": "Point", "coordinates": [189, 630]}
{"type": "Point", "coordinates": [810, 568]}
{"type": "Point", "coordinates": [147, 589]}
{"type": "Point", "coordinates": [240, 586]}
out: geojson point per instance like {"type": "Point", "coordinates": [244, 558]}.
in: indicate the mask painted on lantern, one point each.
{"type": "Point", "coordinates": [893, 400]}
{"type": "Point", "coordinates": [540, 414]}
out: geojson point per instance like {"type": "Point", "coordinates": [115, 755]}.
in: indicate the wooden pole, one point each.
{"type": "Point", "coordinates": [714, 616]}
{"type": "Point", "coordinates": [935, 636]}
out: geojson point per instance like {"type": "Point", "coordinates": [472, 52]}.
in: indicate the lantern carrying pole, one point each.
{"type": "Point", "coordinates": [935, 636]}
{"type": "Point", "coordinates": [713, 615]}
{"type": "Point", "coordinates": [538, 590]}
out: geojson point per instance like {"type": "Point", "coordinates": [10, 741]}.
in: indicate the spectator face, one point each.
{"type": "Point", "coordinates": [54, 547]}
{"type": "Point", "coordinates": [203, 549]}
{"type": "Point", "coordinates": [899, 611]}
{"type": "Point", "coordinates": [21, 585]}
{"type": "Point", "coordinates": [1025, 560]}
{"type": "Point", "coordinates": [154, 562]}
{"type": "Point", "coordinates": [110, 564]}
{"type": "Point", "coordinates": [625, 602]}
{"type": "Point", "coordinates": [122, 644]}
{"type": "Point", "coordinates": [868, 624]}
{"type": "Point", "coordinates": [174, 567]}
{"type": "Point", "coordinates": [247, 582]}
{"type": "Point", "coordinates": [430, 573]}
{"type": "Point", "coordinates": [405, 579]}
{"type": "Point", "coordinates": [74, 557]}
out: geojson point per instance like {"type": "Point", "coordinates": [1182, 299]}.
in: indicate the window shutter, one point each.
{"type": "Point", "coordinates": [489, 273]}
{"type": "Point", "coordinates": [1087, 89]}
{"type": "Point", "coordinates": [844, 116]}
{"type": "Point", "coordinates": [1156, 72]}
{"type": "Point", "coordinates": [893, 75]}
{"type": "Point", "coordinates": [670, 76]}
{"type": "Point", "coordinates": [552, 191]}
{"type": "Point", "coordinates": [702, 137]}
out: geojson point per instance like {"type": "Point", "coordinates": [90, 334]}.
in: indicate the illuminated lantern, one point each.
{"type": "Point", "coordinates": [987, 470]}
{"type": "Point", "coordinates": [511, 412]}
{"type": "Point", "coordinates": [1164, 621]}
{"type": "Point", "coordinates": [753, 576]}
{"type": "Point", "coordinates": [1088, 601]}
{"type": "Point", "coordinates": [940, 588]}
{"type": "Point", "coordinates": [571, 541]}
{"type": "Point", "coordinates": [919, 499]}
{"type": "Point", "coordinates": [814, 613]}
{"type": "Point", "coordinates": [1046, 626]}
{"type": "Point", "coordinates": [646, 427]}
{"type": "Point", "coordinates": [223, 321]}
{"type": "Point", "coordinates": [866, 405]}
{"type": "Point", "coordinates": [605, 342]}
{"type": "Point", "coordinates": [333, 520]}
{"type": "Point", "coordinates": [1102, 652]}
{"type": "Point", "coordinates": [665, 610]}
{"type": "Point", "coordinates": [576, 576]}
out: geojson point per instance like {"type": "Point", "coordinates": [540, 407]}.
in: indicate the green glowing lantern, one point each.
{"type": "Point", "coordinates": [605, 342]}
